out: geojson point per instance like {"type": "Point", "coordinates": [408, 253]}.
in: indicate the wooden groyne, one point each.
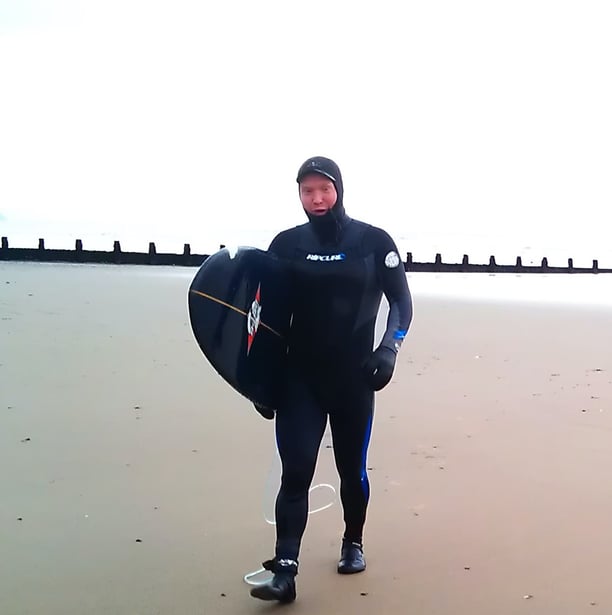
{"type": "Point", "coordinates": [117, 256]}
{"type": "Point", "coordinates": [494, 267]}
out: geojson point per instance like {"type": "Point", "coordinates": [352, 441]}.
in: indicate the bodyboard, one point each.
{"type": "Point", "coordinates": [240, 316]}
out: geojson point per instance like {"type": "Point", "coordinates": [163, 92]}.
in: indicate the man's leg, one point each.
{"type": "Point", "coordinates": [300, 424]}
{"type": "Point", "coordinates": [351, 426]}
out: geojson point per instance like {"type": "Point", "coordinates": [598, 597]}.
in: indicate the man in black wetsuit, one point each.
{"type": "Point", "coordinates": [340, 269]}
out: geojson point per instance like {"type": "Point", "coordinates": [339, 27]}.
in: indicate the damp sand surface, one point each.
{"type": "Point", "coordinates": [134, 481]}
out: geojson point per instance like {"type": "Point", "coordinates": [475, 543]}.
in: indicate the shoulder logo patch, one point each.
{"type": "Point", "coordinates": [392, 260]}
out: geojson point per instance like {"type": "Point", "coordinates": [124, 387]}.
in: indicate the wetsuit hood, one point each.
{"type": "Point", "coordinates": [329, 226]}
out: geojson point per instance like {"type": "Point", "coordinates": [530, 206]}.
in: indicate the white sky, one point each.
{"type": "Point", "coordinates": [445, 116]}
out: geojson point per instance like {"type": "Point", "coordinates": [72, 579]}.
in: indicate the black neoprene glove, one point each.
{"type": "Point", "coordinates": [379, 368]}
{"type": "Point", "coordinates": [265, 412]}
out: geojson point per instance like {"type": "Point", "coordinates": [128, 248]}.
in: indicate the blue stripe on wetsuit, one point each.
{"type": "Point", "coordinates": [364, 454]}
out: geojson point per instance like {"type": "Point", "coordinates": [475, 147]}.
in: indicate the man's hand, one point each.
{"type": "Point", "coordinates": [265, 412]}
{"type": "Point", "coordinates": [379, 368]}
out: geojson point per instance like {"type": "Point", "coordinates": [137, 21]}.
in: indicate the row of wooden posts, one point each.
{"type": "Point", "coordinates": [187, 259]}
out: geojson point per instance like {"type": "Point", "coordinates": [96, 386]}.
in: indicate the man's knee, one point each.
{"type": "Point", "coordinates": [296, 483]}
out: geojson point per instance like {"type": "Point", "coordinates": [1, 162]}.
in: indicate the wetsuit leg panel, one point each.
{"type": "Point", "coordinates": [300, 424]}
{"type": "Point", "coordinates": [351, 426]}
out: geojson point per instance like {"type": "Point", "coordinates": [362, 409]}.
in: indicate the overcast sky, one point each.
{"type": "Point", "coordinates": [445, 115]}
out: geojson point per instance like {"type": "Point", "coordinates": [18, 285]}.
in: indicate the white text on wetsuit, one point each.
{"type": "Point", "coordinates": [325, 257]}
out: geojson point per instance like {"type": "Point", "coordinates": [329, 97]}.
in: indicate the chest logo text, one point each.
{"type": "Point", "coordinates": [325, 257]}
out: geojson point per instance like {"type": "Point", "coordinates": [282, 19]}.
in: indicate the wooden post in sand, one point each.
{"type": "Point", "coordinates": [117, 252]}
{"type": "Point", "coordinates": [438, 262]}
{"type": "Point", "coordinates": [152, 252]}
{"type": "Point", "coordinates": [408, 265]}
{"type": "Point", "coordinates": [78, 249]}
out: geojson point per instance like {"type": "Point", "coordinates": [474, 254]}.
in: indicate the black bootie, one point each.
{"type": "Point", "coordinates": [282, 585]}
{"type": "Point", "coordinates": [351, 558]}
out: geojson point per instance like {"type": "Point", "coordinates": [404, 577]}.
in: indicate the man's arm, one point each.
{"type": "Point", "coordinates": [391, 273]}
{"type": "Point", "coordinates": [395, 288]}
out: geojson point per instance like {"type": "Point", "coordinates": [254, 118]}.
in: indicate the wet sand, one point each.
{"type": "Point", "coordinates": [134, 481]}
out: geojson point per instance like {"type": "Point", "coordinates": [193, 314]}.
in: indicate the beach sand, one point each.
{"type": "Point", "coordinates": [134, 481]}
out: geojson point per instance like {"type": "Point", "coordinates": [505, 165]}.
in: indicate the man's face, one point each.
{"type": "Point", "coordinates": [318, 194]}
